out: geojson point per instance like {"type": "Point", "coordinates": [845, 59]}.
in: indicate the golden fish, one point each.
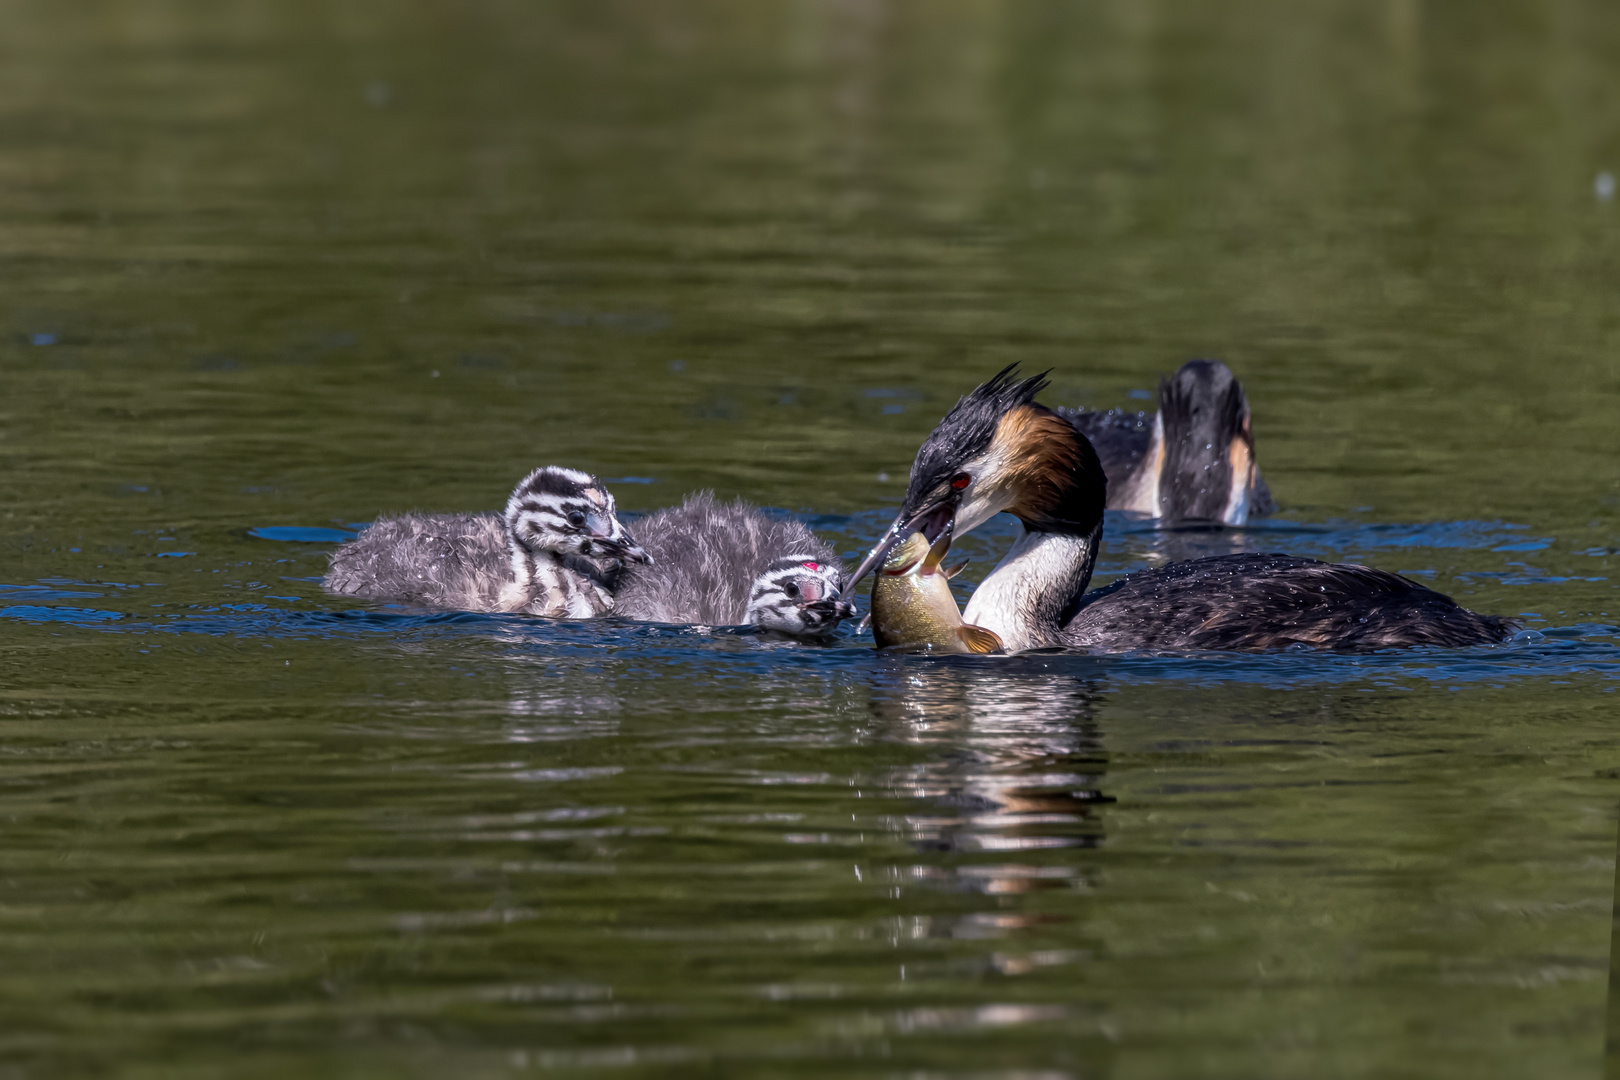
{"type": "Point", "coordinates": [912, 603]}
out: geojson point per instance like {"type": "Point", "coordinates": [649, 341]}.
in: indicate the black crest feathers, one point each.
{"type": "Point", "coordinates": [967, 429]}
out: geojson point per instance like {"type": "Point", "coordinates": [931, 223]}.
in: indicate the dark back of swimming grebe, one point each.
{"type": "Point", "coordinates": [1260, 602]}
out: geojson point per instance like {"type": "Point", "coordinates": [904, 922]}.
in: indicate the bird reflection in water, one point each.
{"type": "Point", "coordinates": [1020, 772]}
{"type": "Point", "coordinates": [583, 702]}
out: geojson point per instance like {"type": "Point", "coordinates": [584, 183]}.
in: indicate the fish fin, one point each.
{"type": "Point", "coordinates": [941, 547]}
{"type": "Point", "coordinates": [978, 639]}
{"type": "Point", "coordinates": [952, 571]}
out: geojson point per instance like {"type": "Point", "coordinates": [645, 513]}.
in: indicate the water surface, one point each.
{"type": "Point", "coordinates": [271, 270]}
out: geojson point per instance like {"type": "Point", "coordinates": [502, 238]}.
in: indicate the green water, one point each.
{"type": "Point", "coordinates": [298, 264]}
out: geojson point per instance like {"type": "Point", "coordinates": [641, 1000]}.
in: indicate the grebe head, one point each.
{"type": "Point", "coordinates": [798, 595]}
{"type": "Point", "coordinates": [568, 512]}
{"type": "Point", "coordinates": [1208, 464]}
{"type": "Point", "coordinates": [998, 450]}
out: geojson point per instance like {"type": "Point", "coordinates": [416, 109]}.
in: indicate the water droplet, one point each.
{"type": "Point", "coordinates": [1603, 186]}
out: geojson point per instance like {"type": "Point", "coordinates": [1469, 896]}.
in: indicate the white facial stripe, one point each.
{"type": "Point", "coordinates": [983, 499]}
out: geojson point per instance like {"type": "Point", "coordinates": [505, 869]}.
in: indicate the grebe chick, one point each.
{"type": "Point", "coordinates": [1193, 460]}
{"type": "Point", "coordinates": [998, 450]}
{"type": "Point", "coordinates": [729, 564]}
{"type": "Point", "coordinates": [557, 550]}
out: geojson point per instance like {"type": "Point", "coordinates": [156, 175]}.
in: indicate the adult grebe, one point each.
{"type": "Point", "coordinates": [726, 564]}
{"type": "Point", "coordinates": [556, 550]}
{"type": "Point", "coordinates": [1193, 460]}
{"type": "Point", "coordinates": [998, 450]}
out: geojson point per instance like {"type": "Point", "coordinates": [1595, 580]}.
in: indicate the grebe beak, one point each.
{"type": "Point", "coordinates": [932, 520]}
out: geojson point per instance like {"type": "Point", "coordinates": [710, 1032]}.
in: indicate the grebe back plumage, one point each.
{"type": "Point", "coordinates": [1255, 601]}
{"type": "Point", "coordinates": [728, 564]}
{"type": "Point", "coordinates": [556, 550]}
{"type": "Point", "coordinates": [998, 450]}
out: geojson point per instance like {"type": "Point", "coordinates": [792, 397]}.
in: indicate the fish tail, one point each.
{"type": "Point", "coordinates": [978, 639]}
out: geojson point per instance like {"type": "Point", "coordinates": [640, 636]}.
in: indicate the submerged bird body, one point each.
{"type": "Point", "coordinates": [730, 564]}
{"type": "Point", "coordinates": [997, 450]}
{"type": "Point", "coordinates": [912, 604]}
{"type": "Point", "coordinates": [556, 550]}
{"type": "Point", "coordinates": [1192, 460]}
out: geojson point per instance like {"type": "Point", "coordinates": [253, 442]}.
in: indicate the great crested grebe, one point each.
{"type": "Point", "coordinates": [557, 550]}
{"type": "Point", "coordinates": [1193, 460]}
{"type": "Point", "coordinates": [998, 450]}
{"type": "Point", "coordinates": [726, 564]}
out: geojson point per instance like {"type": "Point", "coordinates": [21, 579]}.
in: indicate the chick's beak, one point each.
{"type": "Point", "coordinates": [830, 609]}
{"type": "Point", "coordinates": [624, 547]}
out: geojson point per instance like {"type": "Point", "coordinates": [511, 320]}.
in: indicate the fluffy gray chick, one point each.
{"type": "Point", "coordinates": [729, 564]}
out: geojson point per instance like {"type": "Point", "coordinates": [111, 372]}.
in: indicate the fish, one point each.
{"type": "Point", "coordinates": [912, 605]}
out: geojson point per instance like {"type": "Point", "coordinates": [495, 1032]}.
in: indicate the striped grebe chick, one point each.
{"type": "Point", "coordinates": [557, 550]}
{"type": "Point", "coordinates": [730, 564]}
{"type": "Point", "coordinates": [998, 450]}
{"type": "Point", "coordinates": [1193, 460]}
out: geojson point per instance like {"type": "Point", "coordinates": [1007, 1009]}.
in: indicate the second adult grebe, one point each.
{"type": "Point", "coordinates": [998, 450]}
{"type": "Point", "coordinates": [1193, 460]}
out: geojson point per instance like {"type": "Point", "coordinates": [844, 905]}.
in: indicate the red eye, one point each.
{"type": "Point", "coordinates": [961, 480]}
{"type": "Point", "coordinates": [811, 565]}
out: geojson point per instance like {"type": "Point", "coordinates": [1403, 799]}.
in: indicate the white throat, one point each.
{"type": "Point", "coordinates": [1024, 597]}
{"type": "Point", "coordinates": [1141, 494]}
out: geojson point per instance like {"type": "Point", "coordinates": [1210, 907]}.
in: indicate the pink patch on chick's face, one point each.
{"type": "Point", "coordinates": [811, 565]}
{"type": "Point", "coordinates": [810, 591]}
